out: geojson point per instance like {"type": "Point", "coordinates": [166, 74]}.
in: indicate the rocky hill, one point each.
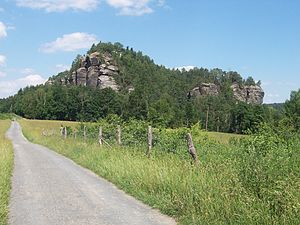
{"type": "Point", "coordinates": [96, 70]}
{"type": "Point", "coordinates": [252, 94]}
{"type": "Point", "coordinates": [112, 66]}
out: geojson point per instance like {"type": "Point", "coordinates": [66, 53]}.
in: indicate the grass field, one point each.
{"type": "Point", "coordinates": [218, 191]}
{"type": "Point", "coordinates": [6, 165]}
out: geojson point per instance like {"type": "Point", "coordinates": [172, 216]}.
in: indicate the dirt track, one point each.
{"type": "Point", "coordinates": [49, 189]}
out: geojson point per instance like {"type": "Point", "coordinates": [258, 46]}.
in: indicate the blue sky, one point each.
{"type": "Point", "coordinates": [258, 38]}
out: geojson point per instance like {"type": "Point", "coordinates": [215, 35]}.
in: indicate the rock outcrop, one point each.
{"type": "Point", "coordinates": [252, 94]}
{"type": "Point", "coordinates": [206, 89]}
{"type": "Point", "coordinates": [97, 70]}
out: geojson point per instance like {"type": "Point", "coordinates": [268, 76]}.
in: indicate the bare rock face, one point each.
{"type": "Point", "coordinates": [107, 82]}
{"type": "Point", "coordinates": [92, 76]}
{"type": "Point", "coordinates": [252, 94]}
{"type": "Point", "coordinates": [81, 76]}
{"type": "Point", "coordinates": [97, 70]}
{"type": "Point", "coordinates": [94, 59]}
{"type": "Point", "coordinates": [205, 89]}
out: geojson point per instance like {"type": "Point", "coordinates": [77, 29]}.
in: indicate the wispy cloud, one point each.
{"type": "Point", "coordinates": [3, 28]}
{"type": "Point", "coordinates": [61, 68]}
{"type": "Point", "coordinates": [131, 7]}
{"type": "Point", "coordinates": [125, 7]}
{"type": "Point", "coordinates": [186, 68]}
{"type": "Point", "coordinates": [2, 60]}
{"type": "Point", "coordinates": [59, 5]}
{"type": "Point", "coordinates": [11, 87]}
{"type": "Point", "coordinates": [27, 71]}
{"type": "Point", "coordinates": [2, 74]}
{"type": "Point", "coordinates": [69, 43]}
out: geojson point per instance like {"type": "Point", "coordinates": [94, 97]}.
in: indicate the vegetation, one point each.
{"type": "Point", "coordinates": [160, 96]}
{"type": "Point", "coordinates": [6, 165]}
{"type": "Point", "coordinates": [251, 181]}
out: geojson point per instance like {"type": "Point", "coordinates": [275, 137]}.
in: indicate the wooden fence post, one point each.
{"type": "Point", "coordinates": [65, 132]}
{"type": "Point", "coordinates": [61, 130]}
{"type": "Point", "coordinates": [84, 133]}
{"type": "Point", "coordinates": [150, 138]}
{"type": "Point", "coordinates": [119, 142]}
{"type": "Point", "coordinates": [75, 134]}
{"type": "Point", "coordinates": [100, 136]}
{"type": "Point", "coordinates": [191, 149]}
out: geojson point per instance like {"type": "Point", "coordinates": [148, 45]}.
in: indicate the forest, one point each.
{"type": "Point", "coordinates": [160, 97]}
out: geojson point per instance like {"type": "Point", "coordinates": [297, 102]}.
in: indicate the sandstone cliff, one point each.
{"type": "Point", "coordinates": [96, 70]}
{"type": "Point", "coordinates": [252, 94]}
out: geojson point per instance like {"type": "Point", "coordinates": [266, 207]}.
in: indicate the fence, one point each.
{"type": "Point", "coordinates": [139, 135]}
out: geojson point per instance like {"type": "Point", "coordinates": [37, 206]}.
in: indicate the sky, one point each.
{"type": "Point", "coordinates": [258, 38]}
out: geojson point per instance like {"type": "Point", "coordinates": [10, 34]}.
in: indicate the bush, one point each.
{"type": "Point", "coordinates": [269, 170]}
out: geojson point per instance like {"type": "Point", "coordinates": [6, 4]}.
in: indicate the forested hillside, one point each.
{"type": "Point", "coordinates": [145, 91]}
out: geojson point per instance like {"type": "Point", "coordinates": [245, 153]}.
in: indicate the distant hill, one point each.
{"type": "Point", "coordinates": [113, 79]}
{"type": "Point", "coordinates": [277, 106]}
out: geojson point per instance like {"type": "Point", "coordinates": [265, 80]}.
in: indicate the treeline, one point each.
{"type": "Point", "coordinates": [76, 103]}
{"type": "Point", "coordinates": [160, 97]}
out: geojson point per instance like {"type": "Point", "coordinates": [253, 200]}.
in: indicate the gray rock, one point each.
{"type": "Point", "coordinates": [113, 68]}
{"type": "Point", "coordinates": [107, 72]}
{"type": "Point", "coordinates": [252, 94]}
{"type": "Point", "coordinates": [97, 70]}
{"type": "Point", "coordinates": [93, 73]}
{"type": "Point", "coordinates": [108, 82]}
{"type": "Point", "coordinates": [74, 78]}
{"type": "Point", "coordinates": [81, 76]}
{"type": "Point", "coordinates": [205, 89]}
{"type": "Point", "coordinates": [95, 59]}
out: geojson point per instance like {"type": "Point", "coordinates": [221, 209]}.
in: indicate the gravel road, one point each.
{"type": "Point", "coordinates": [49, 189]}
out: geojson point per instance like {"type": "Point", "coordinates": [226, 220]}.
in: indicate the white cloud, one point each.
{"type": "Point", "coordinates": [11, 87]}
{"type": "Point", "coordinates": [70, 42]}
{"type": "Point", "coordinates": [131, 7]}
{"type": "Point", "coordinates": [125, 7]}
{"type": "Point", "coordinates": [59, 5]}
{"type": "Point", "coordinates": [27, 71]}
{"type": "Point", "coordinates": [186, 68]}
{"type": "Point", "coordinates": [3, 29]}
{"type": "Point", "coordinates": [2, 60]}
{"type": "Point", "coordinates": [61, 68]}
{"type": "Point", "coordinates": [2, 74]}
{"type": "Point", "coordinates": [161, 3]}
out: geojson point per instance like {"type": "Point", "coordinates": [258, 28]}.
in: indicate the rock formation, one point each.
{"type": "Point", "coordinates": [97, 70]}
{"type": "Point", "coordinates": [252, 94]}
{"type": "Point", "coordinates": [206, 89]}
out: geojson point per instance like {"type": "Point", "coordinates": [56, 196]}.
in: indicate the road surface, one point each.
{"type": "Point", "coordinates": [49, 189]}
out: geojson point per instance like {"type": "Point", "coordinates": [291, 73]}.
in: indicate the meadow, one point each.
{"type": "Point", "coordinates": [6, 166]}
{"type": "Point", "coordinates": [253, 180]}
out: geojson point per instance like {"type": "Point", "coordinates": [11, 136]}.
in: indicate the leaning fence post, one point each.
{"type": "Point", "coordinates": [191, 148]}
{"type": "Point", "coordinates": [150, 137]}
{"type": "Point", "coordinates": [100, 136]}
{"type": "Point", "coordinates": [65, 132]}
{"type": "Point", "coordinates": [61, 130]}
{"type": "Point", "coordinates": [119, 142]}
{"type": "Point", "coordinates": [84, 133]}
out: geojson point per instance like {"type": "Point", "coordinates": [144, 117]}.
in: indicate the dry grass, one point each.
{"type": "Point", "coordinates": [6, 165]}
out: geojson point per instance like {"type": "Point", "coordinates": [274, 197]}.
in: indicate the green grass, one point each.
{"type": "Point", "coordinates": [6, 165]}
{"type": "Point", "coordinates": [8, 116]}
{"type": "Point", "coordinates": [212, 193]}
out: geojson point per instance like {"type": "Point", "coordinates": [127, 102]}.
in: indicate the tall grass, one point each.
{"type": "Point", "coordinates": [6, 165]}
{"type": "Point", "coordinates": [215, 192]}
